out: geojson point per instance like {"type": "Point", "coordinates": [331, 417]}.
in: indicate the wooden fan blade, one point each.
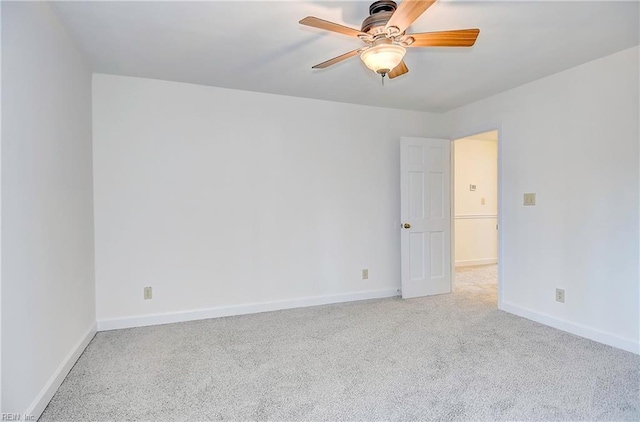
{"type": "Point", "coordinates": [399, 70]}
{"type": "Point", "coordinates": [457, 38]}
{"type": "Point", "coordinates": [330, 26]}
{"type": "Point", "coordinates": [337, 59]}
{"type": "Point", "coordinates": [407, 12]}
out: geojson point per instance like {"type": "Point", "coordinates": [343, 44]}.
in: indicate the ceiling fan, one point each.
{"type": "Point", "coordinates": [385, 39]}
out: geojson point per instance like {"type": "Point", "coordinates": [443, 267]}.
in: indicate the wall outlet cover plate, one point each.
{"type": "Point", "coordinates": [529, 199]}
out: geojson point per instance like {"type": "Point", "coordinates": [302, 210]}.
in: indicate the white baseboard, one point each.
{"type": "Point", "coordinates": [573, 328]}
{"type": "Point", "coordinates": [251, 308]}
{"type": "Point", "coordinates": [44, 397]}
{"type": "Point", "coordinates": [474, 262]}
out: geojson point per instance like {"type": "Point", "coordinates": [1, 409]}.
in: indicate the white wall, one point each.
{"type": "Point", "coordinates": [571, 138]}
{"type": "Point", "coordinates": [48, 300]}
{"type": "Point", "coordinates": [219, 198]}
{"type": "Point", "coordinates": [476, 237]}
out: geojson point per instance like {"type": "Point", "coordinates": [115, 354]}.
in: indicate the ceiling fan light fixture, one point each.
{"type": "Point", "coordinates": [383, 58]}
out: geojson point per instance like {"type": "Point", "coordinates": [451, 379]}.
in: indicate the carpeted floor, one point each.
{"type": "Point", "coordinates": [448, 357]}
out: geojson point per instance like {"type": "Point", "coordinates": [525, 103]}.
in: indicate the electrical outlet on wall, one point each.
{"type": "Point", "coordinates": [148, 293]}
{"type": "Point", "coordinates": [529, 199]}
{"type": "Point", "coordinates": [365, 274]}
{"type": "Point", "coordinates": [560, 295]}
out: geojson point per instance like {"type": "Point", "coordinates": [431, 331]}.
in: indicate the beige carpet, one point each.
{"type": "Point", "coordinates": [481, 281]}
{"type": "Point", "coordinates": [448, 357]}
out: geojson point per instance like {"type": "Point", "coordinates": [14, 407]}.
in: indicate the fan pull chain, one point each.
{"type": "Point", "coordinates": [382, 74]}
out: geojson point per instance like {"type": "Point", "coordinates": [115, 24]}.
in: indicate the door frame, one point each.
{"type": "Point", "coordinates": [459, 135]}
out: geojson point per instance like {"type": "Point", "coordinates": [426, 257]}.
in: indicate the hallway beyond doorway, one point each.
{"type": "Point", "coordinates": [480, 281]}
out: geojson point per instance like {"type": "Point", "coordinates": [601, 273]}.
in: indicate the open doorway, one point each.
{"type": "Point", "coordinates": [475, 210]}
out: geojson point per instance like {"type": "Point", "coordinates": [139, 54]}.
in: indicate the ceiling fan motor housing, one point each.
{"type": "Point", "coordinates": [380, 13]}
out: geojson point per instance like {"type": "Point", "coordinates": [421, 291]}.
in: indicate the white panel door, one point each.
{"type": "Point", "coordinates": [426, 216]}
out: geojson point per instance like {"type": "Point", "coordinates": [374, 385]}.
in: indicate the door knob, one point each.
{"type": "Point", "coordinates": [407, 225]}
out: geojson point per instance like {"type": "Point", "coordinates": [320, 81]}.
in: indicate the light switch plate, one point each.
{"type": "Point", "coordinates": [529, 199]}
{"type": "Point", "coordinates": [560, 295]}
{"type": "Point", "coordinates": [472, 188]}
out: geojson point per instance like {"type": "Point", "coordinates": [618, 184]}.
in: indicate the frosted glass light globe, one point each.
{"type": "Point", "coordinates": [383, 58]}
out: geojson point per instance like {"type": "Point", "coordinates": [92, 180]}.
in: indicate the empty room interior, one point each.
{"type": "Point", "coordinates": [320, 210]}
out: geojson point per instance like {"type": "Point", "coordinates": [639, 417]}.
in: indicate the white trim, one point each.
{"type": "Point", "coordinates": [501, 280]}
{"type": "Point", "coordinates": [573, 328]}
{"type": "Point", "coordinates": [46, 394]}
{"type": "Point", "coordinates": [475, 216]}
{"type": "Point", "coordinates": [474, 262]}
{"type": "Point", "coordinates": [452, 212]}
{"type": "Point", "coordinates": [1, 216]}
{"type": "Point", "coordinates": [251, 308]}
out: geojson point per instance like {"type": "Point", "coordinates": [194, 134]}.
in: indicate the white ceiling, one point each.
{"type": "Point", "coordinates": [259, 46]}
{"type": "Point", "coordinates": [484, 136]}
